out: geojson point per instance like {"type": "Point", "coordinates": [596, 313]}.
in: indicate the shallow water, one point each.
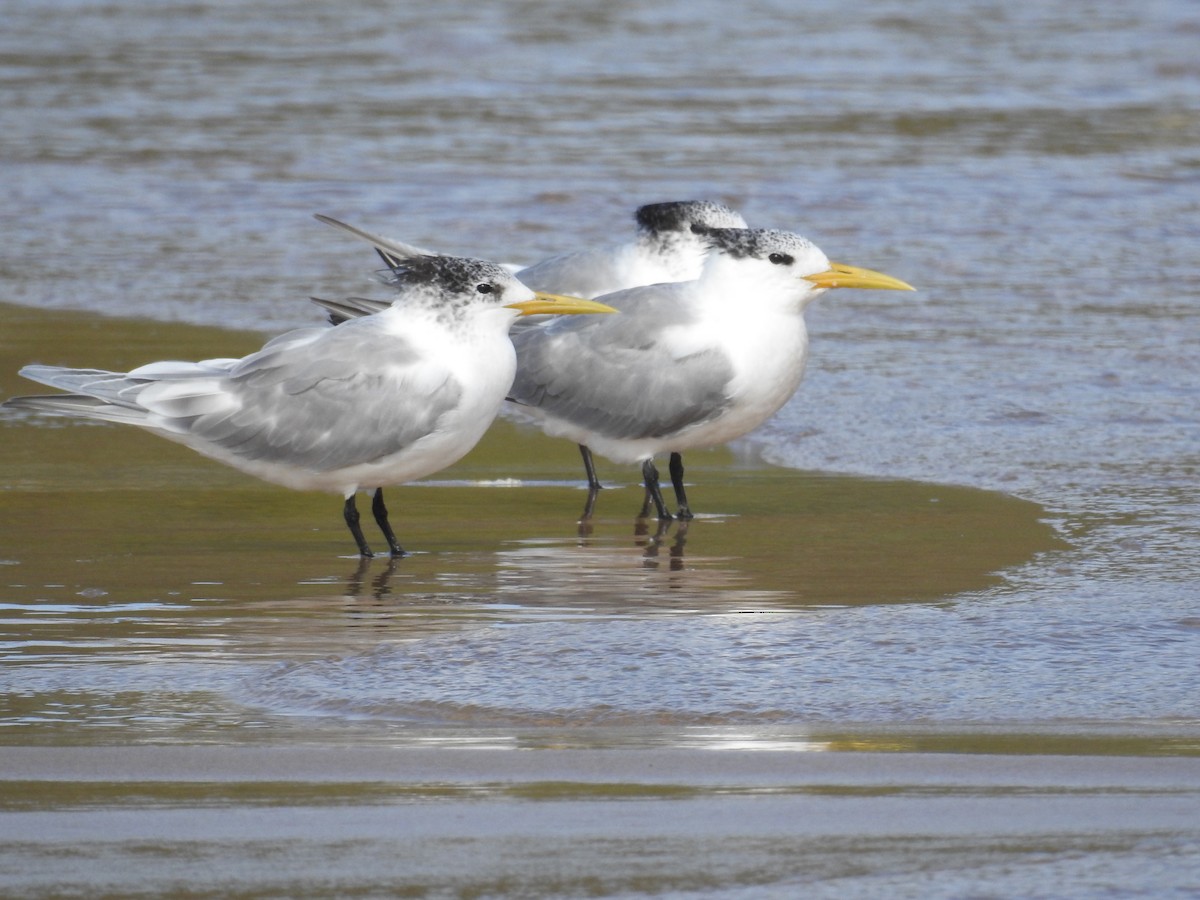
{"type": "Point", "coordinates": [976, 528]}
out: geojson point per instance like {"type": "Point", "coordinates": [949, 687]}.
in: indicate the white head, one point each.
{"type": "Point", "coordinates": [454, 287]}
{"type": "Point", "coordinates": [782, 267]}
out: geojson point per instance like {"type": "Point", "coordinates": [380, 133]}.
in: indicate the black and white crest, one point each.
{"type": "Point", "coordinates": [452, 275]}
{"type": "Point", "coordinates": [757, 243]}
{"type": "Point", "coordinates": [686, 215]}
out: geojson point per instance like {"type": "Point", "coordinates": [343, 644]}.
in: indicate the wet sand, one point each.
{"type": "Point", "coordinates": [107, 506]}
{"type": "Point", "coordinates": [121, 547]}
{"type": "Point", "coordinates": [154, 557]}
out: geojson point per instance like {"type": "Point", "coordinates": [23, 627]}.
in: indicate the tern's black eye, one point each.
{"type": "Point", "coordinates": [485, 288]}
{"type": "Point", "coordinates": [697, 228]}
{"type": "Point", "coordinates": [781, 259]}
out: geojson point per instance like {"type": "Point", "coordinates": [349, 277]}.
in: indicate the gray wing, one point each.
{"type": "Point", "coordinates": [615, 376]}
{"type": "Point", "coordinates": [353, 397]}
{"type": "Point", "coordinates": [321, 398]}
{"type": "Point", "coordinates": [349, 396]}
{"type": "Point", "coordinates": [588, 273]}
{"type": "Point", "coordinates": [350, 307]}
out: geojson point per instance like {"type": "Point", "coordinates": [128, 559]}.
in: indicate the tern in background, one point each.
{"type": "Point", "coordinates": [669, 245]}
{"type": "Point", "coordinates": [686, 365]}
{"type": "Point", "coordinates": [381, 400]}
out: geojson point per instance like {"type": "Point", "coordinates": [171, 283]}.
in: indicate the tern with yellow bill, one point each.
{"type": "Point", "coordinates": [668, 245]}
{"type": "Point", "coordinates": [687, 365]}
{"type": "Point", "coordinates": [381, 400]}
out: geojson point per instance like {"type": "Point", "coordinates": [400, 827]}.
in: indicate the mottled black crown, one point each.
{"type": "Point", "coordinates": [452, 274]}
{"type": "Point", "coordinates": [686, 215]}
{"type": "Point", "coordinates": [758, 243]}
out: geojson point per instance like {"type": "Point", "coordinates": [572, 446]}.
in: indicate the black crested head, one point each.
{"type": "Point", "coordinates": [697, 216]}
{"type": "Point", "coordinates": [758, 243]}
{"type": "Point", "coordinates": [452, 274]}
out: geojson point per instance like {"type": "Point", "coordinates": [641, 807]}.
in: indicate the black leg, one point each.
{"type": "Point", "coordinates": [676, 467]}
{"type": "Point", "coordinates": [381, 519]}
{"type": "Point", "coordinates": [650, 477]}
{"type": "Point", "coordinates": [589, 466]}
{"type": "Point", "coordinates": [350, 511]}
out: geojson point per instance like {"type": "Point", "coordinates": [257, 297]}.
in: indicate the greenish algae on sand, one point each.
{"type": "Point", "coordinates": [116, 509]}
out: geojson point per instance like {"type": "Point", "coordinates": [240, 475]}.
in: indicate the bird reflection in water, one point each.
{"type": "Point", "coordinates": [654, 542]}
{"type": "Point", "coordinates": [380, 585]}
{"type": "Point", "coordinates": [609, 571]}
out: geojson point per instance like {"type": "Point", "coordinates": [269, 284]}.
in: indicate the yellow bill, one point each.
{"type": "Point", "coordinates": [842, 276]}
{"type": "Point", "coordinates": [544, 304]}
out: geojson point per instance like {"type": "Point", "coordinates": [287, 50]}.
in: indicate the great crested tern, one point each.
{"type": "Point", "coordinates": [669, 245]}
{"type": "Point", "coordinates": [686, 365]}
{"type": "Point", "coordinates": [381, 400]}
